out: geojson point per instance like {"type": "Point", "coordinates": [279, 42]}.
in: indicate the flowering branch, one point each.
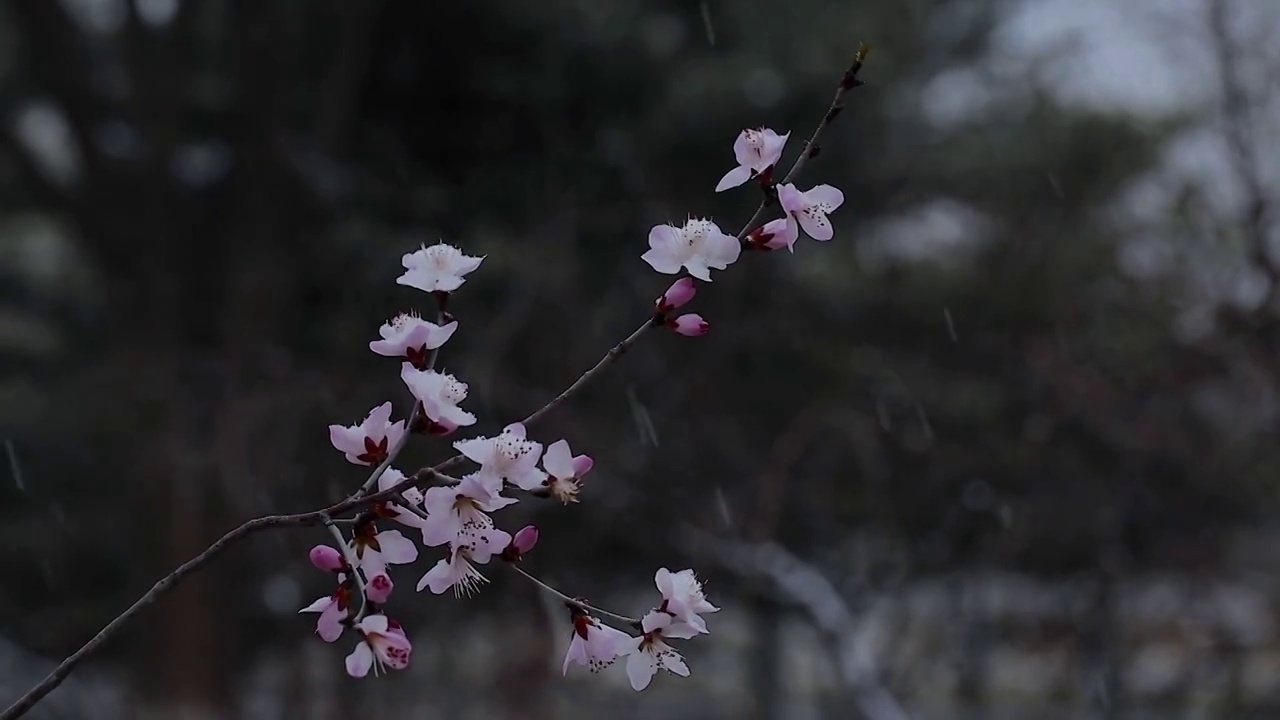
{"type": "Point", "coordinates": [848, 82]}
{"type": "Point", "coordinates": [351, 562]}
{"type": "Point", "coordinates": [454, 512]}
{"type": "Point", "coordinates": [414, 415]}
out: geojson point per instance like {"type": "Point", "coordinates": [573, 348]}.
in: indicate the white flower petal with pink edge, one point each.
{"type": "Point", "coordinates": [594, 644]}
{"type": "Point", "coordinates": [384, 646]}
{"type": "Point", "coordinates": [438, 268]}
{"type": "Point", "coordinates": [509, 456]}
{"type": "Point", "coordinates": [810, 208]}
{"type": "Point", "coordinates": [439, 393]}
{"type": "Point", "coordinates": [372, 440]}
{"type": "Point", "coordinates": [409, 336]}
{"type": "Point", "coordinates": [699, 246]}
{"type": "Point", "coordinates": [649, 653]}
{"type": "Point", "coordinates": [756, 150]}
{"type": "Point", "coordinates": [683, 598]}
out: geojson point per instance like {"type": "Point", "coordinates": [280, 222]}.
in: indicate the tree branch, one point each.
{"type": "Point", "coordinates": [847, 82]}
{"type": "Point", "coordinates": [436, 474]}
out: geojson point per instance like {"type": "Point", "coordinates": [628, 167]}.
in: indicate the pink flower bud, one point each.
{"type": "Point", "coordinates": [525, 539]}
{"type": "Point", "coordinates": [522, 543]}
{"type": "Point", "coordinates": [327, 558]}
{"type": "Point", "coordinates": [582, 465]}
{"type": "Point", "coordinates": [379, 588]}
{"type": "Point", "coordinates": [680, 292]}
{"type": "Point", "coordinates": [691, 325]}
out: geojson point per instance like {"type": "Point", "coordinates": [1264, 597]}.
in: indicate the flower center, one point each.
{"type": "Point", "coordinates": [512, 448]}
{"type": "Point", "coordinates": [694, 231]}
{"type": "Point", "coordinates": [401, 322]}
{"type": "Point", "coordinates": [755, 141]}
{"type": "Point", "coordinates": [440, 257]}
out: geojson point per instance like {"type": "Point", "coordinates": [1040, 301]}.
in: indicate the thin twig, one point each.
{"type": "Point", "coordinates": [574, 602]}
{"type": "Point", "coordinates": [168, 582]}
{"type": "Point", "coordinates": [165, 584]}
{"type": "Point", "coordinates": [425, 475]}
{"type": "Point", "coordinates": [847, 82]}
{"type": "Point", "coordinates": [352, 562]}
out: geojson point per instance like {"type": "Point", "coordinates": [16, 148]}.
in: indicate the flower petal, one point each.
{"type": "Point", "coordinates": [641, 667]}
{"type": "Point", "coordinates": [396, 548]}
{"type": "Point", "coordinates": [558, 459]}
{"type": "Point", "coordinates": [319, 605]}
{"type": "Point", "coordinates": [360, 660]}
{"type": "Point", "coordinates": [329, 625]}
{"type": "Point", "coordinates": [577, 653]}
{"type": "Point", "coordinates": [815, 224]}
{"type": "Point", "coordinates": [791, 199]}
{"type": "Point", "coordinates": [827, 196]}
{"type": "Point", "coordinates": [734, 178]}
{"type": "Point", "coordinates": [662, 261]}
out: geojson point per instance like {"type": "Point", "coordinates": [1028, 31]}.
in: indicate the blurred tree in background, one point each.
{"type": "Point", "coordinates": [202, 212]}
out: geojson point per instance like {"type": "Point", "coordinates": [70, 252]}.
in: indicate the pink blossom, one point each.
{"type": "Point", "coordinates": [680, 292]}
{"type": "Point", "coordinates": [439, 394]}
{"type": "Point", "coordinates": [682, 597]}
{"type": "Point", "coordinates": [454, 511]}
{"type": "Point", "coordinates": [690, 324]}
{"type": "Point", "coordinates": [649, 653]}
{"type": "Point", "coordinates": [698, 247]}
{"type": "Point", "coordinates": [326, 558]}
{"type": "Point", "coordinates": [756, 150]}
{"type": "Point", "coordinates": [384, 645]}
{"type": "Point", "coordinates": [439, 268]}
{"type": "Point", "coordinates": [811, 208]}
{"type": "Point", "coordinates": [510, 457]}
{"type": "Point", "coordinates": [775, 234]}
{"type": "Point", "coordinates": [565, 471]}
{"type": "Point", "coordinates": [474, 546]}
{"type": "Point", "coordinates": [371, 441]}
{"type": "Point", "coordinates": [379, 588]}
{"type": "Point", "coordinates": [375, 550]}
{"type": "Point", "coordinates": [333, 610]}
{"type": "Point", "coordinates": [411, 337]}
{"type": "Point", "coordinates": [594, 644]}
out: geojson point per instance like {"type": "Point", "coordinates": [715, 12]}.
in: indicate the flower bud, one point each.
{"type": "Point", "coordinates": [327, 558]}
{"type": "Point", "coordinates": [774, 235]}
{"type": "Point", "coordinates": [691, 325]}
{"type": "Point", "coordinates": [522, 543]}
{"type": "Point", "coordinates": [680, 292]}
{"type": "Point", "coordinates": [379, 588]}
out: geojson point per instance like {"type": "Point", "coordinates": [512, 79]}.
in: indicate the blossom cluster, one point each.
{"type": "Point", "coordinates": [456, 515]}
